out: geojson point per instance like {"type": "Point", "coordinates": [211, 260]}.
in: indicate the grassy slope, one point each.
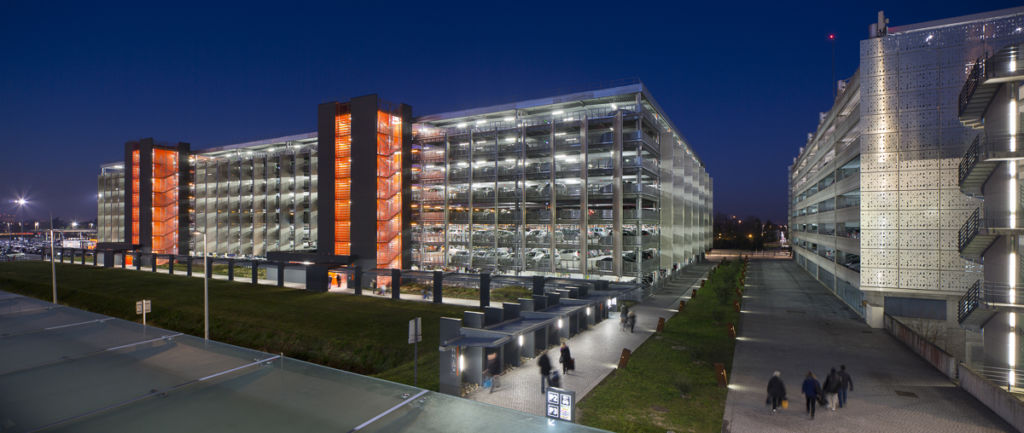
{"type": "Point", "coordinates": [361, 334]}
{"type": "Point", "coordinates": [670, 382]}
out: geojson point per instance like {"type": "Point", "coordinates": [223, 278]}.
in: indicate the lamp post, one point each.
{"type": "Point", "coordinates": [21, 202]}
{"type": "Point", "coordinates": [206, 289]}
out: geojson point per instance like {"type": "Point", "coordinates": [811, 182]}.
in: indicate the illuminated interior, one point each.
{"type": "Point", "coordinates": [342, 181]}
{"type": "Point", "coordinates": [389, 191]}
{"type": "Point", "coordinates": [135, 197]}
{"type": "Point", "coordinates": [165, 201]}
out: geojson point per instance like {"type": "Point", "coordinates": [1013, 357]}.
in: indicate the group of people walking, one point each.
{"type": "Point", "coordinates": [832, 394]}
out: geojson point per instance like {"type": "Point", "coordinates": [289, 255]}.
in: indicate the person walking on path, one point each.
{"type": "Point", "coordinates": [845, 383]}
{"type": "Point", "coordinates": [831, 388]}
{"type": "Point", "coordinates": [631, 320]}
{"type": "Point", "coordinates": [565, 358]}
{"type": "Point", "coordinates": [810, 389]}
{"type": "Point", "coordinates": [776, 391]}
{"type": "Point", "coordinates": [545, 370]}
{"type": "Point", "coordinates": [493, 370]}
{"type": "Point", "coordinates": [623, 318]}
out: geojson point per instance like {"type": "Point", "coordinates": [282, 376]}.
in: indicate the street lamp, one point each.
{"type": "Point", "coordinates": [21, 202]}
{"type": "Point", "coordinates": [206, 289]}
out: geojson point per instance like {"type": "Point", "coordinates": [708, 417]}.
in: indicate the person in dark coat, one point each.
{"type": "Point", "coordinates": [337, 279]}
{"type": "Point", "coordinates": [632, 320]}
{"type": "Point", "coordinates": [845, 384]}
{"type": "Point", "coordinates": [545, 370]}
{"type": "Point", "coordinates": [776, 390]}
{"type": "Point", "coordinates": [565, 358]}
{"type": "Point", "coordinates": [831, 389]}
{"type": "Point", "coordinates": [493, 370]}
{"type": "Point", "coordinates": [810, 389]}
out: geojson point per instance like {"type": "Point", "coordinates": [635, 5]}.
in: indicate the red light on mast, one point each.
{"type": "Point", "coordinates": [831, 36]}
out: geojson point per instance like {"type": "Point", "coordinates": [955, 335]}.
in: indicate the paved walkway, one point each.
{"type": "Point", "coordinates": [596, 350]}
{"type": "Point", "coordinates": [793, 324]}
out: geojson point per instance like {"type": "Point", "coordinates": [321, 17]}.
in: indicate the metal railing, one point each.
{"type": "Point", "coordinates": [969, 230]}
{"type": "Point", "coordinates": [973, 79]}
{"type": "Point", "coordinates": [968, 302]}
{"type": "Point", "coordinates": [969, 160]}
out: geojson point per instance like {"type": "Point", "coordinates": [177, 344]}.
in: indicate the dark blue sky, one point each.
{"type": "Point", "coordinates": [743, 81]}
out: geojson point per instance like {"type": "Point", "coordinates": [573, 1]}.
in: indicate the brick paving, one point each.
{"type": "Point", "coordinates": [793, 324]}
{"type": "Point", "coordinates": [596, 350]}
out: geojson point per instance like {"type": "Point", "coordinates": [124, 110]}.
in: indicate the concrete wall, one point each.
{"type": "Point", "coordinates": [1008, 407]}
{"type": "Point", "coordinates": [935, 356]}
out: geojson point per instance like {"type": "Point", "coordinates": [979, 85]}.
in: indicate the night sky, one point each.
{"type": "Point", "coordinates": [744, 82]}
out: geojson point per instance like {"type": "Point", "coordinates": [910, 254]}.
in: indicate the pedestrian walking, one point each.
{"type": "Point", "coordinates": [810, 389]}
{"type": "Point", "coordinates": [845, 383]}
{"type": "Point", "coordinates": [493, 370]}
{"type": "Point", "coordinates": [623, 318]}
{"type": "Point", "coordinates": [565, 358]}
{"type": "Point", "coordinates": [555, 380]}
{"type": "Point", "coordinates": [776, 391]}
{"type": "Point", "coordinates": [545, 370]}
{"type": "Point", "coordinates": [631, 320]}
{"type": "Point", "coordinates": [831, 388]}
{"type": "Point", "coordinates": [337, 279]}
{"type": "Point", "coordinates": [373, 286]}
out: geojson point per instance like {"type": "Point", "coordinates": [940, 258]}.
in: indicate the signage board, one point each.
{"type": "Point", "coordinates": [415, 330]}
{"type": "Point", "coordinates": [560, 404]}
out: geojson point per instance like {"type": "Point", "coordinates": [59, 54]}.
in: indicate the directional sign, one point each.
{"type": "Point", "coordinates": [143, 306]}
{"type": "Point", "coordinates": [561, 404]}
{"type": "Point", "coordinates": [415, 330]}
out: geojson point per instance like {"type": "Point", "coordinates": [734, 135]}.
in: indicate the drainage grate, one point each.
{"type": "Point", "coordinates": [906, 394]}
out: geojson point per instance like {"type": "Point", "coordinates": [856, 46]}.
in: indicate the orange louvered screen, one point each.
{"type": "Point", "coordinates": [136, 172]}
{"type": "Point", "coordinates": [389, 190]}
{"type": "Point", "coordinates": [342, 181]}
{"type": "Point", "coordinates": [165, 201]}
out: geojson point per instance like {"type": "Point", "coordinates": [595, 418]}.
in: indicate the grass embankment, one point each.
{"type": "Point", "coordinates": [362, 334]}
{"type": "Point", "coordinates": [670, 382]}
{"type": "Point", "coordinates": [499, 294]}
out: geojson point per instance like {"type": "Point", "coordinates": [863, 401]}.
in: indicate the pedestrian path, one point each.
{"type": "Point", "coordinates": [793, 324]}
{"type": "Point", "coordinates": [596, 350]}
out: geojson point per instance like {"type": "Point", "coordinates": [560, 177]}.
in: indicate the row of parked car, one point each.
{"type": "Point", "coordinates": [570, 258]}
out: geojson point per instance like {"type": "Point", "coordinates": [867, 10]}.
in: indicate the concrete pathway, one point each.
{"type": "Point", "coordinates": [794, 324]}
{"type": "Point", "coordinates": [596, 350]}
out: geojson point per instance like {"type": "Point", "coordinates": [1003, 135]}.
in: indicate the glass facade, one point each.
{"type": "Point", "coordinates": [598, 186]}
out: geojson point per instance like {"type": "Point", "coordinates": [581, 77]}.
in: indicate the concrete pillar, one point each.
{"type": "Point", "coordinates": [485, 289]}
{"type": "Point", "coordinates": [137, 258]}
{"type": "Point", "coordinates": [255, 272]}
{"type": "Point", "coordinates": [209, 268]}
{"type": "Point", "coordinates": [438, 286]}
{"type": "Point", "coordinates": [170, 264]}
{"type": "Point", "coordinates": [94, 258]}
{"type": "Point", "coordinates": [396, 283]}
{"type": "Point", "coordinates": [316, 278]}
{"type": "Point", "coordinates": [538, 284]}
{"type": "Point", "coordinates": [356, 281]}
{"type": "Point", "coordinates": [188, 265]}
{"type": "Point", "coordinates": [83, 256]}
{"type": "Point", "coordinates": [124, 259]}
{"type": "Point", "coordinates": [231, 269]}
{"type": "Point", "coordinates": [280, 275]}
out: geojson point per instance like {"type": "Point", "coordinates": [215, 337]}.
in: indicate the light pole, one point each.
{"type": "Point", "coordinates": [21, 202]}
{"type": "Point", "coordinates": [206, 289]}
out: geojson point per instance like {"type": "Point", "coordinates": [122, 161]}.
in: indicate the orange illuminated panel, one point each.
{"type": "Point", "coordinates": [389, 190]}
{"type": "Point", "coordinates": [342, 181]}
{"type": "Point", "coordinates": [165, 201]}
{"type": "Point", "coordinates": [136, 172]}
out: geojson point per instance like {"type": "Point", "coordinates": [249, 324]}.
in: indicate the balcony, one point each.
{"type": "Point", "coordinates": [983, 157]}
{"type": "Point", "coordinates": [984, 300]}
{"type": "Point", "coordinates": [983, 82]}
{"type": "Point", "coordinates": [977, 233]}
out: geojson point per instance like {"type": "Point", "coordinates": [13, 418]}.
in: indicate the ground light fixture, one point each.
{"type": "Point", "coordinates": [520, 340]}
{"type": "Point", "coordinates": [559, 323]}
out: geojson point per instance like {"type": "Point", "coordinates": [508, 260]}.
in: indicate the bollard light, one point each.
{"type": "Point", "coordinates": [559, 323]}
{"type": "Point", "coordinates": [520, 341]}
{"type": "Point", "coordinates": [462, 363]}
{"type": "Point", "coordinates": [588, 311]}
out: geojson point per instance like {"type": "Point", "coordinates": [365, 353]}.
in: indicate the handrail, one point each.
{"type": "Point", "coordinates": [969, 160]}
{"type": "Point", "coordinates": [968, 302]}
{"type": "Point", "coordinates": [969, 229]}
{"type": "Point", "coordinates": [971, 85]}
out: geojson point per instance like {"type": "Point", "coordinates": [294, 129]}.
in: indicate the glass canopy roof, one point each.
{"type": "Point", "coordinates": [65, 369]}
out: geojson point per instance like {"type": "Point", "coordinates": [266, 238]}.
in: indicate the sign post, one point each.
{"type": "Point", "coordinates": [415, 336]}
{"type": "Point", "coordinates": [142, 307]}
{"type": "Point", "coordinates": [560, 404]}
